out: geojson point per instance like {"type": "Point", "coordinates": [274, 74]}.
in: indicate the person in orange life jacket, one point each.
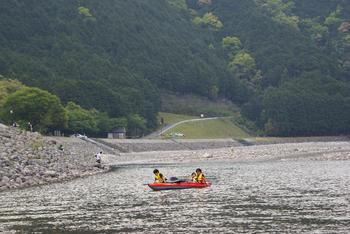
{"type": "Point", "coordinates": [200, 178]}
{"type": "Point", "coordinates": [159, 176]}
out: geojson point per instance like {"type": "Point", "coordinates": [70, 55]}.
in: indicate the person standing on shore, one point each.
{"type": "Point", "coordinates": [30, 127]}
{"type": "Point", "coordinates": [98, 157]}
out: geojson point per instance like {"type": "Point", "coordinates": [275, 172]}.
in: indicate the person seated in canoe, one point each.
{"type": "Point", "coordinates": [193, 177]}
{"type": "Point", "coordinates": [159, 176]}
{"type": "Point", "coordinates": [200, 178]}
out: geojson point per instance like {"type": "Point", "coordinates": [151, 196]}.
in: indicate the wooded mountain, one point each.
{"type": "Point", "coordinates": [285, 62]}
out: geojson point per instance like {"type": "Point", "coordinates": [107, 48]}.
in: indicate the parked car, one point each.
{"type": "Point", "coordinates": [79, 136]}
{"type": "Point", "coordinates": [176, 134]}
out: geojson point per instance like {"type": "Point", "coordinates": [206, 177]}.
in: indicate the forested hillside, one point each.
{"type": "Point", "coordinates": [293, 55]}
{"type": "Point", "coordinates": [286, 63]}
{"type": "Point", "coordinates": [110, 55]}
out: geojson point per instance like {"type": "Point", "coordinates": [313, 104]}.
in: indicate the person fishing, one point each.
{"type": "Point", "coordinates": [200, 178]}
{"type": "Point", "coordinates": [159, 176]}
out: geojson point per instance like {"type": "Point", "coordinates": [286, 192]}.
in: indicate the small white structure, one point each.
{"type": "Point", "coordinates": [118, 133]}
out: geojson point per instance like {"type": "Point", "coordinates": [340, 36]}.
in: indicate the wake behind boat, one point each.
{"type": "Point", "coordinates": [178, 185]}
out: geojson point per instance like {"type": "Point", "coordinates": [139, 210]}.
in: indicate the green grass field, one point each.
{"type": "Point", "coordinates": [170, 118]}
{"type": "Point", "coordinates": [209, 129]}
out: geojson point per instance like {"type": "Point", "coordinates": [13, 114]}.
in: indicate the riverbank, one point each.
{"type": "Point", "coordinates": [285, 151]}
{"type": "Point", "coordinates": [29, 159]}
{"type": "Point", "coordinates": [176, 144]}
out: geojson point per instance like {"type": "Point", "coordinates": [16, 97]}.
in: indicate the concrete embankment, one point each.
{"type": "Point", "coordinates": [28, 159]}
{"type": "Point", "coordinates": [145, 145]}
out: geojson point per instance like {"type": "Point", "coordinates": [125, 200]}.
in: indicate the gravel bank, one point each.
{"type": "Point", "coordinates": [28, 159]}
{"type": "Point", "coordinates": [143, 145]}
{"type": "Point", "coordinates": [286, 151]}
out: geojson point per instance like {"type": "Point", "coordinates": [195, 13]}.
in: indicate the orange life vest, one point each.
{"type": "Point", "coordinates": [200, 178]}
{"type": "Point", "coordinates": [160, 178]}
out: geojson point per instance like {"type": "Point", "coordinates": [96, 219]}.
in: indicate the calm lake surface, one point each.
{"type": "Point", "coordinates": [277, 196]}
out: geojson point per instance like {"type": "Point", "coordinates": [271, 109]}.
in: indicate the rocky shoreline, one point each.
{"type": "Point", "coordinates": [29, 159]}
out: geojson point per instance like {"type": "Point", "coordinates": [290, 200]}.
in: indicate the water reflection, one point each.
{"type": "Point", "coordinates": [298, 196]}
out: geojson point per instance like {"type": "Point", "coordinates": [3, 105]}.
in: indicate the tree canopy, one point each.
{"type": "Point", "coordinates": [112, 58]}
{"type": "Point", "coordinates": [42, 109]}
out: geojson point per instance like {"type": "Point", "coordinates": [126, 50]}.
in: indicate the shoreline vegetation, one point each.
{"type": "Point", "coordinates": [30, 159]}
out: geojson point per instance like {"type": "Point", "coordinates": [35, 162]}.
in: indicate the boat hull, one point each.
{"type": "Point", "coordinates": [177, 185]}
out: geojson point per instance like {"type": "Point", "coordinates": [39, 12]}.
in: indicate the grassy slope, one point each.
{"type": "Point", "coordinates": [195, 105]}
{"type": "Point", "coordinates": [170, 118]}
{"type": "Point", "coordinates": [209, 129]}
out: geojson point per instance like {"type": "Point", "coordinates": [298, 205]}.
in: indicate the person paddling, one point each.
{"type": "Point", "coordinates": [200, 178]}
{"type": "Point", "coordinates": [158, 176]}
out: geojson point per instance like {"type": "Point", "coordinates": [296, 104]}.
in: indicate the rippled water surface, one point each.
{"type": "Point", "coordinates": [289, 196]}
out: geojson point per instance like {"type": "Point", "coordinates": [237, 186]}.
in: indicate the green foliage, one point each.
{"type": "Point", "coordinates": [39, 107]}
{"type": "Point", "coordinates": [232, 43]}
{"type": "Point", "coordinates": [91, 122]}
{"type": "Point", "coordinates": [115, 63]}
{"type": "Point", "coordinates": [243, 66]}
{"type": "Point", "coordinates": [7, 87]}
{"type": "Point", "coordinates": [316, 30]}
{"type": "Point", "coordinates": [80, 120]}
{"type": "Point", "coordinates": [242, 61]}
{"type": "Point", "coordinates": [209, 20]}
{"type": "Point", "coordinates": [195, 105]}
{"type": "Point", "coordinates": [84, 11]}
{"type": "Point", "coordinates": [106, 124]}
{"type": "Point", "coordinates": [180, 4]}
{"type": "Point", "coordinates": [280, 11]}
{"type": "Point", "coordinates": [136, 126]}
{"type": "Point", "coordinates": [308, 108]}
{"type": "Point", "coordinates": [333, 18]}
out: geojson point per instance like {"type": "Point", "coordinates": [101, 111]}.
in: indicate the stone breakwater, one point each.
{"type": "Point", "coordinates": [28, 159]}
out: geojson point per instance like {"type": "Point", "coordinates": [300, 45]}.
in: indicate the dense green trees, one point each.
{"type": "Point", "coordinates": [39, 107]}
{"type": "Point", "coordinates": [45, 112]}
{"type": "Point", "coordinates": [209, 20]}
{"type": "Point", "coordinates": [108, 55]}
{"type": "Point", "coordinates": [280, 52]}
{"type": "Point", "coordinates": [277, 59]}
{"type": "Point", "coordinates": [320, 107]}
{"type": "Point", "coordinates": [7, 87]}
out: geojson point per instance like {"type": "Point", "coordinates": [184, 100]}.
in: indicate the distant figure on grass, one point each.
{"type": "Point", "coordinates": [200, 178]}
{"type": "Point", "coordinates": [15, 124]}
{"type": "Point", "coordinates": [98, 158]}
{"type": "Point", "coordinates": [159, 176]}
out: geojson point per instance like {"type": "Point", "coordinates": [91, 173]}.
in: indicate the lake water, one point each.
{"type": "Point", "coordinates": [276, 196]}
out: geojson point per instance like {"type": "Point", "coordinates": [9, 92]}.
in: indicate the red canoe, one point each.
{"type": "Point", "coordinates": [178, 185]}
